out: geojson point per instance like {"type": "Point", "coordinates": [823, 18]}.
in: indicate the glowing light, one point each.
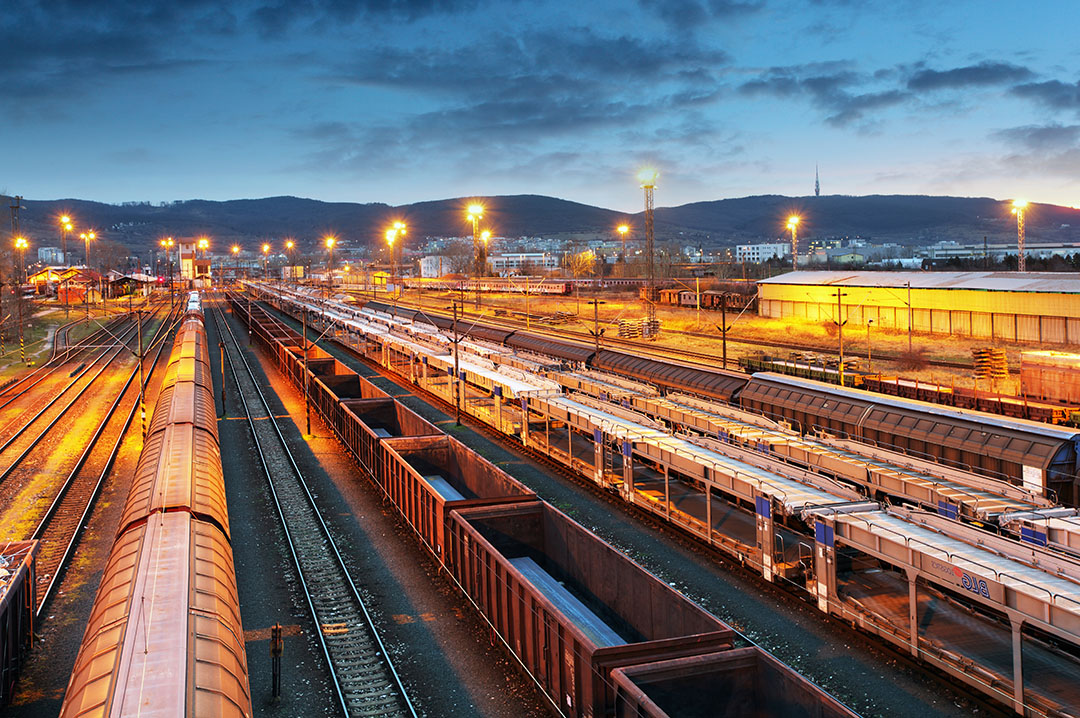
{"type": "Point", "coordinates": [21, 243]}
{"type": "Point", "coordinates": [203, 243]}
{"type": "Point", "coordinates": [623, 229]}
{"type": "Point", "coordinates": [647, 176]}
{"type": "Point", "coordinates": [400, 227]}
{"type": "Point", "coordinates": [236, 249]}
{"type": "Point", "coordinates": [793, 221]}
{"type": "Point", "coordinates": [330, 241]}
{"type": "Point", "coordinates": [485, 235]}
{"type": "Point", "coordinates": [65, 219]}
{"type": "Point", "coordinates": [68, 226]}
{"type": "Point", "coordinates": [1019, 205]}
{"type": "Point", "coordinates": [476, 211]}
{"type": "Point", "coordinates": [391, 235]}
{"type": "Point", "coordinates": [289, 244]}
{"type": "Point", "coordinates": [266, 249]}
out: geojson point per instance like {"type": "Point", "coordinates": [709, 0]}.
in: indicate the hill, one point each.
{"type": "Point", "coordinates": [910, 219]}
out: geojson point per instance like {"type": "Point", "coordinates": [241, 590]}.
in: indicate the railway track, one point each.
{"type": "Point", "coordinates": [61, 526]}
{"type": "Point", "coordinates": [361, 668]}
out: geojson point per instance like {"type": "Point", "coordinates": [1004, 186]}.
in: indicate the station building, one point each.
{"type": "Point", "coordinates": [1037, 307]}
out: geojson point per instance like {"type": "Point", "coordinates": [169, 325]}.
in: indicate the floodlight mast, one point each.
{"type": "Point", "coordinates": [648, 178]}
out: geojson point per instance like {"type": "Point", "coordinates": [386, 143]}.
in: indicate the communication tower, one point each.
{"type": "Point", "coordinates": [817, 182]}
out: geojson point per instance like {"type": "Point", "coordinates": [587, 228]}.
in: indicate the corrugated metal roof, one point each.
{"type": "Point", "coordinates": [1057, 282]}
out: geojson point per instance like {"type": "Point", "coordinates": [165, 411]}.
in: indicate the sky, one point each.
{"type": "Point", "coordinates": [400, 101]}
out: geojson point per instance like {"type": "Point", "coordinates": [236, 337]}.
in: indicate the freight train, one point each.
{"type": "Point", "coordinates": [1026, 453]}
{"type": "Point", "coordinates": [164, 635]}
{"type": "Point", "coordinates": [600, 635]}
{"type": "Point", "coordinates": [891, 540]}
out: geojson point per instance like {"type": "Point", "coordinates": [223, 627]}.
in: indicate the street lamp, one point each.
{"type": "Point", "coordinates": [622, 229]}
{"type": "Point", "coordinates": [1018, 208]}
{"type": "Point", "coordinates": [793, 225]}
{"type": "Point", "coordinates": [330, 240]}
{"type": "Point", "coordinates": [20, 245]}
{"type": "Point", "coordinates": [266, 257]}
{"type": "Point", "coordinates": [475, 213]}
{"type": "Point", "coordinates": [87, 237]}
{"type": "Point", "coordinates": [289, 244]}
{"type": "Point", "coordinates": [65, 227]}
{"type": "Point", "coordinates": [236, 263]}
{"type": "Point", "coordinates": [202, 245]}
{"type": "Point", "coordinates": [167, 245]}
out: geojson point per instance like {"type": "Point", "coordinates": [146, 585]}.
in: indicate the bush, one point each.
{"type": "Point", "coordinates": [913, 360]}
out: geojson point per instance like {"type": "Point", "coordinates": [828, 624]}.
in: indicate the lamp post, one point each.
{"type": "Point", "coordinates": [167, 245]}
{"type": "Point", "coordinates": [1018, 209]}
{"type": "Point", "coordinates": [65, 227]}
{"type": "Point", "coordinates": [266, 257]}
{"type": "Point", "coordinates": [793, 225]}
{"type": "Point", "coordinates": [20, 245]}
{"type": "Point", "coordinates": [289, 244]}
{"type": "Point", "coordinates": [236, 263]}
{"type": "Point", "coordinates": [87, 237]}
{"type": "Point", "coordinates": [202, 246]}
{"type": "Point", "coordinates": [622, 229]}
{"type": "Point", "coordinates": [869, 354]}
{"type": "Point", "coordinates": [648, 177]}
{"type": "Point", "coordinates": [330, 241]}
{"type": "Point", "coordinates": [475, 214]}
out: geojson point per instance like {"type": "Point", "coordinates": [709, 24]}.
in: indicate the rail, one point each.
{"type": "Point", "coordinates": [361, 669]}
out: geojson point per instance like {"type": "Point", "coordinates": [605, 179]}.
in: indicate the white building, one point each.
{"type": "Point", "coordinates": [434, 265]}
{"type": "Point", "coordinates": [50, 255]}
{"type": "Point", "coordinates": [513, 263]}
{"type": "Point", "coordinates": [762, 252]}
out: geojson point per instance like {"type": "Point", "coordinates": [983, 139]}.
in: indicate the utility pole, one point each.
{"type": "Point", "coordinates": [597, 332]}
{"type": "Point", "coordinates": [909, 316]}
{"type": "Point", "coordinates": [307, 405]}
{"type": "Point", "coordinates": [840, 331]}
{"type": "Point", "coordinates": [723, 327]}
{"type": "Point", "coordinates": [457, 372]}
{"type": "Point", "coordinates": [142, 376]}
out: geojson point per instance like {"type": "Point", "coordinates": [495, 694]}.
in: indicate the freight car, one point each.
{"type": "Point", "coordinates": [164, 635]}
{"type": "Point", "coordinates": [16, 611]}
{"type": "Point", "coordinates": [1041, 457]}
{"type": "Point", "coordinates": [508, 285]}
{"type": "Point", "coordinates": [570, 607]}
{"type": "Point", "coordinates": [924, 582]}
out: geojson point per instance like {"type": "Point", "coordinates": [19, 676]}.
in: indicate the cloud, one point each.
{"type": "Point", "coordinates": [275, 17]}
{"type": "Point", "coordinates": [685, 14]}
{"type": "Point", "coordinates": [984, 73]}
{"type": "Point", "coordinates": [1052, 93]}
{"type": "Point", "coordinates": [834, 92]}
{"type": "Point", "coordinates": [1042, 138]}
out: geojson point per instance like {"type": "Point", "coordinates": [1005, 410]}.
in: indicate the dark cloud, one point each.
{"type": "Point", "coordinates": [984, 73]}
{"type": "Point", "coordinates": [1053, 93]}
{"type": "Point", "coordinates": [277, 16]}
{"type": "Point", "coordinates": [1042, 138]}
{"type": "Point", "coordinates": [687, 14]}
{"type": "Point", "coordinates": [833, 92]}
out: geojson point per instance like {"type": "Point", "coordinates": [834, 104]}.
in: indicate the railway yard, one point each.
{"type": "Point", "coordinates": [278, 501]}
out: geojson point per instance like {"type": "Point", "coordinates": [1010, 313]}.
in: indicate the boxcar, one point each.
{"type": "Point", "coordinates": [731, 684]}
{"type": "Point", "coordinates": [570, 606]}
{"type": "Point", "coordinates": [427, 477]}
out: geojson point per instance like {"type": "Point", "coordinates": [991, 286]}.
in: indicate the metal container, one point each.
{"type": "Point", "coordinates": [427, 477]}
{"type": "Point", "coordinates": [730, 684]}
{"type": "Point", "coordinates": [16, 611]}
{"type": "Point", "coordinates": [364, 423]}
{"type": "Point", "coordinates": [570, 606]}
{"type": "Point", "coordinates": [164, 636]}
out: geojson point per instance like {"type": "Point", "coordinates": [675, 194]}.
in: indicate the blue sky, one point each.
{"type": "Point", "coordinates": [400, 101]}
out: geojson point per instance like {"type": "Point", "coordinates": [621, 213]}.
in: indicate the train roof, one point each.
{"type": "Point", "coordinates": [1056, 282]}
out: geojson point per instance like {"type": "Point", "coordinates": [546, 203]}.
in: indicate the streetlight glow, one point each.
{"type": "Point", "coordinates": [793, 221]}
{"type": "Point", "coordinates": [235, 249]}
{"type": "Point", "coordinates": [330, 240]}
{"type": "Point", "coordinates": [21, 243]}
{"type": "Point", "coordinates": [289, 244]}
{"type": "Point", "coordinates": [476, 211]}
{"type": "Point", "coordinates": [1019, 205]}
{"type": "Point", "coordinates": [623, 229]}
{"type": "Point", "coordinates": [647, 176]}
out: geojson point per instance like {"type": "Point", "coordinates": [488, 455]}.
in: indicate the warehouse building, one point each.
{"type": "Point", "coordinates": [1037, 307]}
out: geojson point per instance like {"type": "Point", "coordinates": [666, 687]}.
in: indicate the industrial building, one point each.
{"type": "Point", "coordinates": [1037, 307]}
